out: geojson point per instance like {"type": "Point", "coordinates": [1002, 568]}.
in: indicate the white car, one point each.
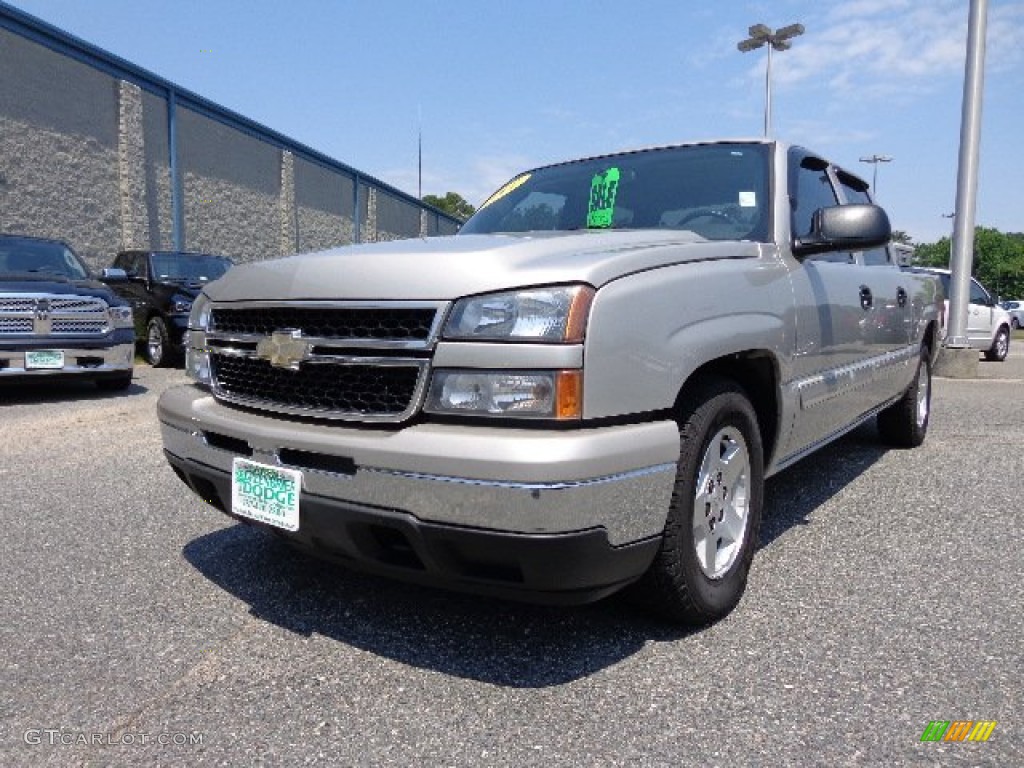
{"type": "Point", "coordinates": [988, 324]}
{"type": "Point", "coordinates": [1016, 309]}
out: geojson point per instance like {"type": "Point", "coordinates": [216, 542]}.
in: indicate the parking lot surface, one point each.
{"type": "Point", "coordinates": [141, 627]}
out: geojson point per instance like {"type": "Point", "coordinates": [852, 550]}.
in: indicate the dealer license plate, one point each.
{"type": "Point", "coordinates": [266, 494]}
{"type": "Point", "coordinates": [44, 358]}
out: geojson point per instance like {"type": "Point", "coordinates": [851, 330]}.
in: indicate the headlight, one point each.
{"type": "Point", "coordinates": [199, 317]}
{"type": "Point", "coordinates": [120, 317]}
{"type": "Point", "coordinates": [181, 305]}
{"type": "Point", "coordinates": [197, 361]}
{"type": "Point", "coordinates": [197, 354]}
{"type": "Point", "coordinates": [556, 314]}
{"type": "Point", "coordinates": [527, 394]}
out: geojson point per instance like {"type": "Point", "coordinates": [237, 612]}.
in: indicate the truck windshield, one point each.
{"type": "Point", "coordinates": [189, 267]}
{"type": "Point", "coordinates": [718, 191]}
{"type": "Point", "coordinates": [42, 257]}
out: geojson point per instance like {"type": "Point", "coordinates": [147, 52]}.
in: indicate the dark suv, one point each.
{"type": "Point", "coordinates": [160, 287]}
{"type": "Point", "coordinates": [57, 320]}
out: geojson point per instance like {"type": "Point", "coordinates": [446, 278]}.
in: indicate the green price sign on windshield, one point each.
{"type": "Point", "coordinates": [603, 188]}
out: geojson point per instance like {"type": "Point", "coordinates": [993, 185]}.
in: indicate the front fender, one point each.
{"type": "Point", "coordinates": [650, 331]}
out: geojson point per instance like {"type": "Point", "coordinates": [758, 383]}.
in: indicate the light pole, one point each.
{"type": "Point", "coordinates": [761, 34]}
{"type": "Point", "coordinates": [967, 182]}
{"type": "Point", "coordinates": [875, 160]}
{"type": "Point", "coordinates": [950, 216]}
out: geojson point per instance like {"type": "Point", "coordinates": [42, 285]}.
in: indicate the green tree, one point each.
{"type": "Point", "coordinates": [933, 254]}
{"type": "Point", "coordinates": [452, 203]}
{"type": "Point", "coordinates": [899, 236]}
{"type": "Point", "coordinates": [999, 262]}
{"type": "Point", "coordinates": [998, 259]}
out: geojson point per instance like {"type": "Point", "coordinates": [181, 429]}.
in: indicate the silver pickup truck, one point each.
{"type": "Point", "coordinates": [584, 389]}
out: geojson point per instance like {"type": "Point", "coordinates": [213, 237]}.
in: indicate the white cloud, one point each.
{"type": "Point", "coordinates": [491, 171]}
{"type": "Point", "coordinates": [474, 182]}
{"type": "Point", "coordinates": [860, 8]}
{"type": "Point", "coordinates": [881, 48]}
{"type": "Point", "coordinates": [823, 133]}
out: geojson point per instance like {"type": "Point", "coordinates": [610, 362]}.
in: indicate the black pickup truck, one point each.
{"type": "Point", "coordinates": [160, 288]}
{"type": "Point", "coordinates": [57, 320]}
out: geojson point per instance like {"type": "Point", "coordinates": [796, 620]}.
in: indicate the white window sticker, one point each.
{"type": "Point", "coordinates": [748, 199]}
{"type": "Point", "coordinates": [265, 493]}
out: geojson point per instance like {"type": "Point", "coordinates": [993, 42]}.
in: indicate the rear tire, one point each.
{"type": "Point", "coordinates": [1000, 346]}
{"type": "Point", "coordinates": [700, 571]}
{"type": "Point", "coordinates": [904, 424]}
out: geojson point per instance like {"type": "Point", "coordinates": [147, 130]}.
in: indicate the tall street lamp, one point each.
{"type": "Point", "coordinates": [761, 34]}
{"type": "Point", "coordinates": [875, 160]}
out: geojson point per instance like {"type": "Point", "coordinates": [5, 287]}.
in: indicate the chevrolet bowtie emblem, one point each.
{"type": "Point", "coordinates": [284, 349]}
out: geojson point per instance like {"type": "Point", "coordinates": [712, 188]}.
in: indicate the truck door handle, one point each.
{"type": "Point", "coordinates": [866, 299]}
{"type": "Point", "coordinates": [901, 297]}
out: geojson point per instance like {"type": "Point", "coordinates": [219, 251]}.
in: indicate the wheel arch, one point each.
{"type": "Point", "coordinates": [150, 313]}
{"type": "Point", "coordinates": [932, 339]}
{"type": "Point", "coordinates": [757, 373]}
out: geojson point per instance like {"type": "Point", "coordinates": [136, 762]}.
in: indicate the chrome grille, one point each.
{"type": "Point", "coordinates": [325, 388]}
{"type": "Point", "coordinates": [397, 324]}
{"type": "Point", "coordinates": [17, 304]}
{"type": "Point", "coordinates": [354, 361]}
{"type": "Point", "coordinates": [42, 314]}
{"type": "Point", "coordinates": [15, 324]}
{"type": "Point", "coordinates": [78, 304]}
{"type": "Point", "coordinates": [78, 326]}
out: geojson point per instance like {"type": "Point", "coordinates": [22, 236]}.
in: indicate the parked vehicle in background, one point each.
{"type": "Point", "coordinates": [1016, 309]}
{"type": "Point", "coordinates": [581, 391]}
{"type": "Point", "coordinates": [988, 324]}
{"type": "Point", "coordinates": [902, 253]}
{"type": "Point", "coordinates": [161, 286]}
{"type": "Point", "coordinates": [57, 320]}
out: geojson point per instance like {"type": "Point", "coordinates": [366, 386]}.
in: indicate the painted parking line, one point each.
{"type": "Point", "coordinates": [975, 380]}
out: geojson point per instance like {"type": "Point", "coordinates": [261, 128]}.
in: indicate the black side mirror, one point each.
{"type": "Point", "coordinates": [113, 275]}
{"type": "Point", "coordinates": [845, 228]}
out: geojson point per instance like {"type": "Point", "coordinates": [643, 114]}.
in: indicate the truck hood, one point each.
{"type": "Point", "coordinates": [170, 288]}
{"type": "Point", "coordinates": [26, 282]}
{"type": "Point", "coordinates": [445, 268]}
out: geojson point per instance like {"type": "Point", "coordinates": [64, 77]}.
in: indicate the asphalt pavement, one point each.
{"type": "Point", "coordinates": [140, 627]}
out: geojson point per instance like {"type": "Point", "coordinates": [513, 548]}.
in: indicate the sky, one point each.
{"type": "Point", "coordinates": [499, 87]}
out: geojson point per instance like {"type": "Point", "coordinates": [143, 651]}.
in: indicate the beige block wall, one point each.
{"type": "Point", "coordinates": [84, 157]}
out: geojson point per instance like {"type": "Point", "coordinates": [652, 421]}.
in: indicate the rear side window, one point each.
{"type": "Point", "coordinates": [856, 191]}
{"type": "Point", "coordinates": [810, 188]}
{"type": "Point", "coordinates": [979, 295]}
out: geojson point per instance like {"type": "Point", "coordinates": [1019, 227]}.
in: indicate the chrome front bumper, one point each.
{"type": "Point", "coordinates": [77, 361]}
{"type": "Point", "coordinates": [503, 479]}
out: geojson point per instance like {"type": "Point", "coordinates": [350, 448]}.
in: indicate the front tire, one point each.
{"type": "Point", "coordinates": [904, 424]}
{"type": "Point", "coordinates": [157, 350]}
{"type": "Point", "coordinates": [700, 571]}
{"type": "Point", "coordinates": [1000, 346]}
